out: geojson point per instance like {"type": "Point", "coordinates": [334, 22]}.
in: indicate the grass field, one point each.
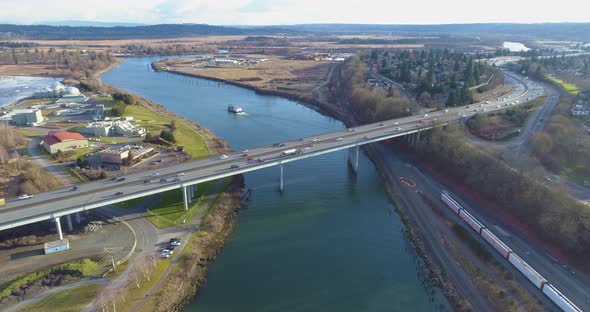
{"type": "Point", "coordinates": [295, 76]}
{"type": "Point", "coordinates": [497, 126]}
{"type": "Point", "coordinates": [193, 143]}
{"type": "Point", "coordinates": [569, 88]}
{"type": "Point", "coordinates": [134, 295]}
{"type": "Point", "coordinates": [169, 211]}
{"type": "Point", "coordinates": [72, 300]}
{"type": "Point", "coordinates": [28, 133]}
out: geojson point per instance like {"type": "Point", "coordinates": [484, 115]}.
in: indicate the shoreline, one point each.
{"type": "Point", "coordinates": [211, 245]}
{"type": "Point", "coordinates": [435, 276]}
{"type": "Point", "coordinates": [305, 101]}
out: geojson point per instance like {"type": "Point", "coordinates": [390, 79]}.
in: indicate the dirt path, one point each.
{"type": "Point", "coordinates": [53, 291]}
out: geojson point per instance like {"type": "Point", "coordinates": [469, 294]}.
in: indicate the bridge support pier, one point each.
{"type": "Point", "coordinates": [193, 190]}
{"type": "Point", "coordinates": [185, 198]}
{"type": "Point", "coordinates": [69, 222]}
{"type": "Point", "coordinates": [281, 179]}
{"type": "Point", "coordinates": [58, 226]}
{"type": "Point", "coordinates": [353, 158]}
{"type": "Point", "coordinates": [77, 216]}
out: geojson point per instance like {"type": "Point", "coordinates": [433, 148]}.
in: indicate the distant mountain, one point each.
{"type": "Point", "coordinates": [74, 23]}
{"type": "Point", "coordinates": [572, 31]}
{"type": "Point", "coordinates": [49, 32]}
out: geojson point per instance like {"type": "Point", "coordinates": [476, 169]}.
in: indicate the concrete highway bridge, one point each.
{"type": "Point", "coordinates": [65, 202]}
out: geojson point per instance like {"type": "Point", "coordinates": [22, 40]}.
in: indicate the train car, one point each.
{"type": "Point", "coordinates": [527, 270]}
{"type": "Point", "coordinates": [559, 299]}
{"type": "Point", "coordinates": [451, 203]}
{"type": "Point", "coordinates": [496, 243]}
{"type": "Point", "coordinates": [469, 219]}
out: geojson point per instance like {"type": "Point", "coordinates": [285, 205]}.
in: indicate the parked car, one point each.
{"type": "Point", "coordinates": [171, 247]}
{"type": "Point", "coordinates": [165, 254]}
{"type": "Point", "coordinates": [175, 241]}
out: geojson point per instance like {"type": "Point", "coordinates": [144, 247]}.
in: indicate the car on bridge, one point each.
{"type": "Point", "coordinates": [222, 157]}
{"type": "Point", "coordinates": [162, 180]}
{"type": "Point", "coordinates": [339, 139]}
{"type": "Point", "coordinates": [234, 166]}
{"type": "Point", "coordinates": [118, 193]}
{"type": "Point", "coordinates": [25, 196]}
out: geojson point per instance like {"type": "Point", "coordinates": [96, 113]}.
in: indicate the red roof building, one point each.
{"type": "Point", "coordinates": [63, 141]}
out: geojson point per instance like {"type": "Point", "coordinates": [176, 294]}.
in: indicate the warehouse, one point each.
{"type": "Point", "coordinates": [63, 141]}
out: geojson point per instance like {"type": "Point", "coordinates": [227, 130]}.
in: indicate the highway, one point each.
{"type": "Point", "coordinates": [65, 201]}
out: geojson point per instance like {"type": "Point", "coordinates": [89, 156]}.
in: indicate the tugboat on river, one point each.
{"type": "Point", "coordinates": [235, 109]}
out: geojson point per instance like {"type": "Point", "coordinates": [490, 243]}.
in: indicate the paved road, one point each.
{"type": "Point", "coordinates": [91, 195]}
{"type": "Point", "coordinates": [41, 160]}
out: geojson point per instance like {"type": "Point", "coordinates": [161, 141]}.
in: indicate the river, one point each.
{"type": "Point", "coordinates": [329, 242]}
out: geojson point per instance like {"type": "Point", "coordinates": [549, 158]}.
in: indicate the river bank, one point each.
{"type": "Point", "coordinates": [435, 276]}
{"type": "Point", "coordinates": [323, 107]}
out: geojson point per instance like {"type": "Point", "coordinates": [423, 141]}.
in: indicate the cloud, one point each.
{"type": "Point", "coordinates": [259, 6]}
{"type": "Point", "coordinates": [266, 12]}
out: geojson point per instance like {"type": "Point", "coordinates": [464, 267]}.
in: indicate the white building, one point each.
{"type": "Point", "coordinates": [117, 127]}
{"type": "Point", "coordinates": [24, 117]}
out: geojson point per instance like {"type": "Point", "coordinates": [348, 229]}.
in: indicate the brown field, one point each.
{"type": "Point", "coordinates": [117, 42]}
{"type": "Point", "coordinates": [29, 70]}
{"type": "Point", "coordinates": [298, 77]}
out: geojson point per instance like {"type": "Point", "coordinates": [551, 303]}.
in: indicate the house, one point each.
{"type": "Point", "coordinates": [63, 141]}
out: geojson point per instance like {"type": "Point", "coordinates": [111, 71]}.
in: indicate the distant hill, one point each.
{"type": "Point", "coordinates": [74, 23]}
{"type": "Point", "coordinates": [48, 32]}
{"type": "Point", "coordinates": [572, 31]}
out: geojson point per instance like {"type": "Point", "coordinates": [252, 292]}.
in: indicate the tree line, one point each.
{"type": "Point", "coordinates": [437, 76]}
{"type": "Point", "coordinates": [76, 64]}
{"type": "Point", "coordinates": [563, 145]}
{"type": "Point", "coordinates": [367, 104]}
{"type": "Point", "coordinates": [550, 212]}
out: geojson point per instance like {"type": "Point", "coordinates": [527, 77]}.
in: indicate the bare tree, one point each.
{"type": "Point", "coordinates": [3, 155]}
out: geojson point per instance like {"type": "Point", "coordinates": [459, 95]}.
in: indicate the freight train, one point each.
{"type": "Point", "coordinates": [537, 279]}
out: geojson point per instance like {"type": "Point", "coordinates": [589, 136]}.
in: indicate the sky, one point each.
{"type": "Point", "coordinates": [281, 12]}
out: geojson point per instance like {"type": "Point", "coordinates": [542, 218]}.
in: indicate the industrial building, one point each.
{"type": "Point", "coordinates": [117, 127]}
{"type": "Point", "coordinates": [24, 117]}
{"type": "Point", "coordinates": [63, 141]}
{"type": "Point", "coordinates": [119, 156]}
